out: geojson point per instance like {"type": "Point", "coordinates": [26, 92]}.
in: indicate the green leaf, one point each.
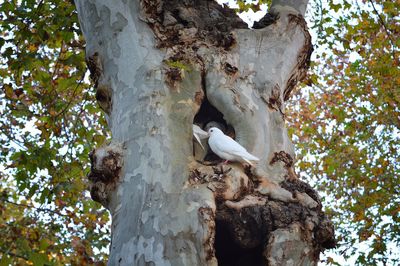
{"type": "Point", "coordinates": [45, 196]}
{"type": "Point", "coordinates": [44, 243]}
{"type": "Point", "coordinates": [335, 7]}
{"type": "Point", "coordinates": [38, 259]}
{"type": "Point", "coordinates": [32, 190]}
{"type": "Point", "coordinates": [329, 30]}
{"type": "Point", "coordinates": [5, 260]}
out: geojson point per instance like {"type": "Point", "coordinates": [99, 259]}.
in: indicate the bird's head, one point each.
{"type": "Point", "coordinates": [214, 131]}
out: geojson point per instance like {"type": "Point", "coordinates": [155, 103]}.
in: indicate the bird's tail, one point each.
{"type": "Point", "coordinates": [251, 157]}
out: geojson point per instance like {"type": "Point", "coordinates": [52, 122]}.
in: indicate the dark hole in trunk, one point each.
{"type": "Point", "coordinates": [208, 113]}
{"type": "Point", "coordinates": [229, 253]}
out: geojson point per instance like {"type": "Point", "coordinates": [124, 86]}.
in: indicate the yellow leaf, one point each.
{"type": "Point", "coordinates": [32, 48]}
{"type": "Point", "coordinates": [8, 90]}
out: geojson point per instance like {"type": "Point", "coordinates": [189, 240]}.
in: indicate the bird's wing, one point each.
{"type": "Point", "coordinates": [228, 145]}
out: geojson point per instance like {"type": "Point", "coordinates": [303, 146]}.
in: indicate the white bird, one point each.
{"type": "Point", "coordinates": [199, 134]}
{"type": "Point", "coordinates": [226, 148]}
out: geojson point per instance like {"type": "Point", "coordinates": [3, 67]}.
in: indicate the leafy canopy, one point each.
{"type": "Point", "coordinates": [49, 122]}
{"type": "Point", "coordinates": [346, 125]}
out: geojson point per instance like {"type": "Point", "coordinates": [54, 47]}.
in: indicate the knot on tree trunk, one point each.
{"type": "Point", "coordinates": [106, 165]}
{"type": "Point", "coordinates": [102, 85]}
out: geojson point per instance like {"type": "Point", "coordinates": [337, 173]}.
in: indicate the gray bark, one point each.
{"type": "Point", "coordinates": [158, 68]}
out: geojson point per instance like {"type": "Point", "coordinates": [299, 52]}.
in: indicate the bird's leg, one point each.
{"type": "Point", "coordinates": [223, 172]}
{"type": "Point", "coordinates": [226, 162]}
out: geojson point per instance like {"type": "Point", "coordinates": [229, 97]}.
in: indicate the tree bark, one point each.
{"type": "Point", "coordinates": [160, 66]}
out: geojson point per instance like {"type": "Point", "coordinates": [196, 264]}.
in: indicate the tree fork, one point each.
{"type": "Point", "coordinates": [162, 66]}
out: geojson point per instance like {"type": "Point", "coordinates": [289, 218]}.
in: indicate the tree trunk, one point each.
{"type": "Point", "coordinates": [160, 66]}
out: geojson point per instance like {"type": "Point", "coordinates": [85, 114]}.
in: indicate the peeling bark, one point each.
{"type": "Point", "coordinates": [160, 66]}
{"type": "Point", "coordinates": [303, 58]}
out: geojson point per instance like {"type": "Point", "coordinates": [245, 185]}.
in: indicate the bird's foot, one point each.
{"type": "Point", "coordinates": [221, 171]}
{"type": "Point", "coordinates": [247, 168]}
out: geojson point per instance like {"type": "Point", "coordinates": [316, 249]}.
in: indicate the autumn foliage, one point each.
{"type": "Point", "coordinates": [346, 125]}
{"type": "Point", "coordinates": [49, 123]}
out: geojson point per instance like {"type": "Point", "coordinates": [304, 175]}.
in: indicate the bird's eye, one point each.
{"type": "Point", "coordinates": [212, 130]}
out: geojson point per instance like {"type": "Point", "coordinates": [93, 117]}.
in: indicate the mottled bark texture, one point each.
{"type": "Point", "coordinates": [160, 66]}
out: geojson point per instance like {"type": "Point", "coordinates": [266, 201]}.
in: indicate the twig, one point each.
{"type": "Point", "coordinates": [13, 254]}
{"type": "Point", "coordinates": [33, 207]}
{"type": "Point", "coordinates": [72, 97]}
{"type": "Point", "coordinates": [388, 33]}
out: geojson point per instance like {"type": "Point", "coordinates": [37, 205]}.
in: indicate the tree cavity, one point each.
{"type": "Point", "coordinates": [209, 116]}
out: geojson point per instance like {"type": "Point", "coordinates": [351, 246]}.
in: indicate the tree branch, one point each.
{"type": "Point", "coordinates": [72, 97]}
{"type": "Point", "coordinates": [299, 5]}
{"type": "Point", "coordinates": [13, 254]}
{"type": "Point", "coordinates": [33, 207]}
{"type": "Point", "coordinates": [388, 33]}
